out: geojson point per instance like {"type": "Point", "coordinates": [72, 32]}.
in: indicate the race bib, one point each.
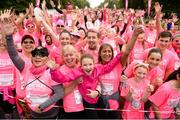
{"type": "Point", "coordinates": [37, 100]}
{"type": "Point", "coordinates": [173, 103]}
{"type": "Point", "coordinates": [151, 39]}
{"type": "Point", "coordinates": [78, 97]}
{"type": "Point", "coordinates": [107, 89]}
{"type": "Point", "coordinates": [6, 79]}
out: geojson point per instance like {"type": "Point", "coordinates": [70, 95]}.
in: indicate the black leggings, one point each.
{"type": "Point", "coordinates": [5, 105]}
{"type": "Point", "coordinates": [90, 114]}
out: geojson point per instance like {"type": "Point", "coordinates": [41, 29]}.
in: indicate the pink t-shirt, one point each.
{"type": "Point", "coordinates": [167, 62]}
{"type": "Point", "coordinates": [73, 101]}
{"type": "Point", "coordinates": [37, 88]}
{"type": "Point", "coordinates": [151, 36]}
{"type": "Point", "coordinates": [89, 81]}
{"type": "Point", "coordinates": [94, 53]}
{"type": "Point", "coordinates": [56, 55]}
{"type": "Point", "coordinates": [20, 81]}
{"type": "Point", "coordinates": [152, 75]}
{"type": "Point", "coordinates": [137, 51]}
{"type": "Point", "coordinates": [8, 76]}
{"type": "Point", "coordinates": [169, 99]}
{"type": "Point", "coordinates": [109, 84]}
{"type": "Point", "coordinates": [136, 105]}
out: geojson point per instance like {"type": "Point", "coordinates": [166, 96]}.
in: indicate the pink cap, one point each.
{"type": "Point", "coordinates": [60, 22]}
{"type": "Point", "coordinates": [29, 22]}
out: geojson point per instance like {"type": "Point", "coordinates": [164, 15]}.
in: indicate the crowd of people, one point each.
{"type": "Point", "coordinates": [89, 64]}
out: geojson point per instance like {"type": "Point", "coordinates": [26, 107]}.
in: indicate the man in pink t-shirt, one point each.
{"type": "Point", "coordinates": [151, 33]}
{"type": "Point", "coordinates": [92, 46]}
{"type": "Point", "coordinates": [168, 60]}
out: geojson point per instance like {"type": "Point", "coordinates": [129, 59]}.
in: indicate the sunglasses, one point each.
{"type": "Point", "coordinates": [40, 52]}
{"type": "Point", "coordinates": [60, 25]}
{"type": "Point", "coordinates": [30, 42]}
{"type": "Point", "coordinates": [30, 26]}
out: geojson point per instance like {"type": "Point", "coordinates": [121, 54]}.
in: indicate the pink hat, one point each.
{"type": "Point", "coordinates": [60, 22]}
{"type": "Point", "coordinates": [75, 33]}
{"type": "Point", "coordinates": [29, 22]}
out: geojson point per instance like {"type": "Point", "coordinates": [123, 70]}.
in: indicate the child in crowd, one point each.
{"type": "Point", "coordinates": [136, 92]}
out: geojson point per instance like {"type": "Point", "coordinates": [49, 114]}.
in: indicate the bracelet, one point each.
{"type": "Point", "coordinates": [99, 94]}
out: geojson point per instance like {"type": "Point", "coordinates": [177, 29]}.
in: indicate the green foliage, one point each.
{"type": "Point", "coordinates": [21, 5]}
{"type": "Point", "coordinates": [169, 6]}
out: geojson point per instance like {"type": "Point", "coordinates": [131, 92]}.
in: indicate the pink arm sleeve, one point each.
{"type": "Point", "coordinates": [109, 67]}
{"type": "Point", "coordinates": [57, 76]}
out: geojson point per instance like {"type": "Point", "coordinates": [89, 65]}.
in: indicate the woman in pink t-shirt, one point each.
{"type": "Point", "coordinates": [138, 49]}
{"type": "Point", "coordinates": [65, 39]}
{"type": "Point", "coordinates": [8, 78]}
{"type": "Point", "coordinates": [136, 92]}
{"type": "Point", "coordinates": [41, 93]}
{"type": "Point", "coordinates": [109, 82]}
{"type": "Point", "coordinates": [169, 100]}
{"type": "Point", "coordinates": [72, 102]}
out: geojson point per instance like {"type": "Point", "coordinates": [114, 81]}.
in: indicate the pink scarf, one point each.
{"type": "Point", "coordinates": [37, 70]}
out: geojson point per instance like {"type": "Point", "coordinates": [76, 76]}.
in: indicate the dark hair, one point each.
{"type": "Point", "coordinates": [26, 37]}
{"type": "Point", "coordinates": [65, 31]}
{"type": "Point", "coordinates": [86, 55]}
{"type": "Point", "coordinates": [155, 50]}
{"type": "Point", "coordinates": [41, 51]}
{"type": "Point", "coordinates": [117, 31]}
{"type": "Point", "coordinates": [48, 36]}
{"type": "Point", "coordinates": [93, 31]}
{"type": "Point", "coordinates": [173, 75]}
{"type": "Point", "coordinates": [100, 49]}
{"type": "Point", "coordinates": [84, 31]}
{"type": "Point", "coordinates": [165, 34]}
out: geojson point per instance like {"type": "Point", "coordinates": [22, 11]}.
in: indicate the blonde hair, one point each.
{"type": "Point", "coordinates": [141, 64]}
{"type": "Point", "coordinates": [71, 48]}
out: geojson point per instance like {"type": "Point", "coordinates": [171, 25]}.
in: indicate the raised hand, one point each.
{"type": "Point", "coordinates": [138, 30]}
{"type": "Point", "coordinates": [7, 22]}
{"type": "Point", "coordinates": [59, 4]}
{"type": "Point", "coordinates": [150, 88]}
{"type": "Point", "coordinates": [52, 3]}
{"type": "Point", "coordinates": [124, 78]}
{"type": "Point", "coordinates": [157, 7]}
{"type": "Point", "coordinates": [51, 64]}
{"type": "Point", "coordinates": [5, 14]}
{"type": "Point", "coordinates": [43, 5]}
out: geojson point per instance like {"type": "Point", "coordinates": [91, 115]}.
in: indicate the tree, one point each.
{"type": "Point", "coordinates": [21, 5]}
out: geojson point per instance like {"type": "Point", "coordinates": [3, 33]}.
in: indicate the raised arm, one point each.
{"type": "Point", "coordinates": [130, 45]}
{"type": "Point", "coordinates": [158, 16]}
{"type": "Point", "coordinates": [8, 29]}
